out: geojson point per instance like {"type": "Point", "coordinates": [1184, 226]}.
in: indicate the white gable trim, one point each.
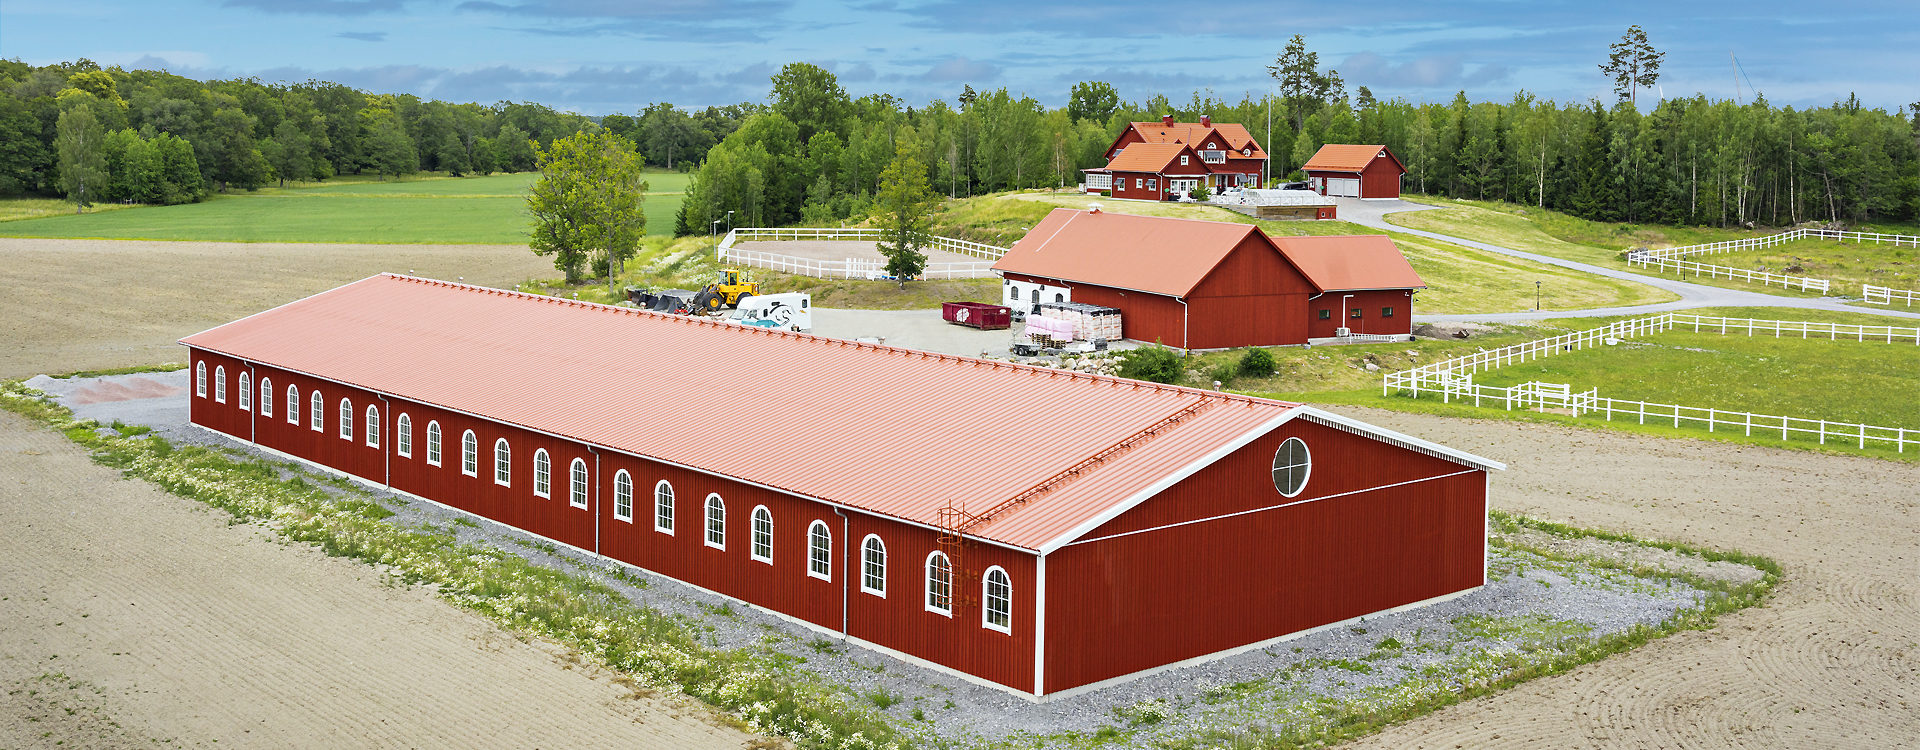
{"type": "Point", "coordinates": [1409, 442]}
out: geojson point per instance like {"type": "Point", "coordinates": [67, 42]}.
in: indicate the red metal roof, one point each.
{"type": "Point", "coordinates": [1149, 157]}
{"type": "Point", "coordinates": [1335, 157]}
{"type": "Point", "coordinates": [1346, 263]}
{"type": "Point", "coordinates": [892, 431]}
{"type": "Point", "coordinates": [1124, 251]}
{"type": "Point", "coordinates": [1232, 136]}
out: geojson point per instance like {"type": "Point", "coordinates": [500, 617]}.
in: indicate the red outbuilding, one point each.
{"type": "Point", "coordinates": [1193, 284]}
{"type": "Point", "coordinates": [1369, 172]}
{"type": "Point", "coordinates": [896, 498]}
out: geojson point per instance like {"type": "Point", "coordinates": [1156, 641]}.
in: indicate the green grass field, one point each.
{"type": "Point", "coordinates": [1459, 279]}
{"type": "Point", "coordinates": [1847, 264]}
{"type": "Point", "coordinates": [426, 210]}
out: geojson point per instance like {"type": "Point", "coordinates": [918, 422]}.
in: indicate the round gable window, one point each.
{"type": "Point", "coordinates": [1291, 465]}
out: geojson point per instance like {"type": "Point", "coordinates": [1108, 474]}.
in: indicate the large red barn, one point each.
{"type": "Point", "coordinates": [1211, 285]}
{"type": "Point", "coordinates": [896, 498]}
{"type": "Point", "coordinates": [1366, 172]}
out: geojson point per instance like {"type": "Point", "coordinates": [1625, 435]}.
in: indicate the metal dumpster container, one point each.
{"type": "Point", "coordinates": [977, 315]}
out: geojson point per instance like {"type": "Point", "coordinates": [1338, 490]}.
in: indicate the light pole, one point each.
{"type": "Point", "coordinates": [1536, 296]}
{"type": "Point", "coordinates": [729, 220]}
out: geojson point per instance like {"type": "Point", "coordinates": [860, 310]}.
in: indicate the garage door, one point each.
{"type": "Point", "coordinates": [1344, 187]}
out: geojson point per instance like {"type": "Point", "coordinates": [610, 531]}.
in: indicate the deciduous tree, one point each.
{"type": "Point", "coordinates": [83, 164]}
{"type": "Point", "coordinates": [587, 202]}
{"type": "Point", "coordinates": [905, 210]}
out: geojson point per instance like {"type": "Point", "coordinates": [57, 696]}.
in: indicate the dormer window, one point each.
{"type": "Point", "coordinates": [1213, 157]}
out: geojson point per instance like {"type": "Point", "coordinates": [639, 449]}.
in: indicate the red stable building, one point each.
{"type": "Point", "coordinates": [910, 514]}
{"type": "Point", "coordinates": [1194, 284]}
{"type": "Point", "coordinates": [1366, 172]}
{"type": "Point", "coordinates": [1222, 155]}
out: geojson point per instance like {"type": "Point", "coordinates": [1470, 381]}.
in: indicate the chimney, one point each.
{"type": "Point", "coordinates": [1206, 121]}
{"type": "Point", "coordinates": [1166, 119]}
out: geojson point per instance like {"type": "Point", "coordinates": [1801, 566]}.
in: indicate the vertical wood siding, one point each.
{"type": "Point", "coordinates": [1381, 179]}
{"type": "Point", "coordinates": [1371, 319]}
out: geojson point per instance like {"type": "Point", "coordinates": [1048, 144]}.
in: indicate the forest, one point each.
{"type": "Point", "coordinates": [813, 154]}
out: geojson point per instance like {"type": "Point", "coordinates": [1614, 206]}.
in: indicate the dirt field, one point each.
{"type": "Point", "coordinates": [87, 304]}
{"type": "Point", "coordinates": [839, 251]}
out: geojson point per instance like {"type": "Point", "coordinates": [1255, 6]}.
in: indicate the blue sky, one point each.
{"type": "Point", "coordinates": [601, 56]}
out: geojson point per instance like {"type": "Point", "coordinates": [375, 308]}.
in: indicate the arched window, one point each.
{"type": "Point", "coordinates": [623, 496]}
{"type": "Point", "coordinates": [716, 522]}
{"type": "Point", "coordinates": [819, 551]}
{"type": "Point", "coordinates": [542, 473]}
{"type": "Point", "coordinates": [577, 493]}
{"type": "Point", "coordinates": [1291, 465]}
{"type": "Point", "coordinates": [293, 404]}
{"type": "Point", "coordinates": [346, 419]}
{"type": "Point", "coordinates": [373, 426]}
{"type": "Point", "coordinates": [996, 596]}
{"type": "Point", "coordinates": [317, 412]}
{"type": "Point", "coordinates": [469, 454]}
{"type": "Point", "coordinates": [939, 584]}
{"type": "Point", "coordinates": [663, 507]}
{"type": "Point", "coordinates": [403, 435]}
{"type": "Point", "coordinates": [246, 392]}
{"type": "Point", "coordinates": [200, 378]}
{"type": "Point", "coordinates": [433, 442]}
{"type": "Point", "coordinates": [266, 397]}
{"type": "Point", "coordinates": [762, 535]}
{"type": "Point", "coordinates": [502, 463]}
{"type": "Point", "coordinates": [220, 383]}
{"type": "Point", "coordinates": [1059, 297]}
{"type": "Point", "coordinates": [873, 566]}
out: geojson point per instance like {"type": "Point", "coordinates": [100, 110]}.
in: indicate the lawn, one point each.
{"type": "Point", "coordinates": [429, 210]}
{"type": "Point", "coordinates": [1847, 264]}
{"type": "Point", "coordinates": [1459, 279]}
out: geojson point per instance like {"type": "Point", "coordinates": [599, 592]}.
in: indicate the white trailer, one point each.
{"type": "Point", "coordinates": [790, 310]}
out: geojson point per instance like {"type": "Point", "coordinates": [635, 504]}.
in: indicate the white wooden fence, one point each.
{"type": "Point", "coordinates": [1804, 283]}
{"type": "Point", "coordinates": [1452, 379]}
{"type": "Point", "coordinates": [851, 268]}
{"type": "Point", "coordinates": [1668, 257]}
{"type": "Point", "coordinates": [1880, 295]}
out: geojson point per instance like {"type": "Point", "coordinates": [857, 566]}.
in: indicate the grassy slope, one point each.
{"type": "Point", "coordinates": [426, 210]}
{"type": "Point", "coordinates": [1459, 279]}
{"type": "Point", "coordinates": [1846, 264]}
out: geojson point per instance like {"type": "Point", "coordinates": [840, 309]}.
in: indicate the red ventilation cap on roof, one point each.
{"type": "Point", "coordinates": [1206, 120]}
{"type": "Point", "coordinates": [1166, 119]}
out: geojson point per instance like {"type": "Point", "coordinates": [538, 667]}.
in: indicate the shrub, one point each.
{"type": "Point", "coordinates": [1201, 193]}
{"type": "Point", "coordinates": [1156, 363]}
{"type": "Point", "coordinates": [1257, 363]}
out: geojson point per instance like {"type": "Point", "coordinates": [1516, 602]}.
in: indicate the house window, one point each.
{"type": "Point", "coordinates": [317, 410]}
{"type": "Point", "coordinates": [939, 584]}
{"type": "Point", "coordinates": [996, 596]}
{"type": "Point", "coordinates": [1291, 465]}
{"type": "Point", "coordinates": [469, 454]}
{"type": "Point", "coordinates": [1139, 181]}
{"type": "Point", "coordinates": [716, 522]}
{"type": "Point", "coordinates": [403, 435]}
{"type": "Point", "coordinates": [266, 397]}
{"type": "Point", "coordinates": [542, 473]}
{"type": "Point", "coordinates": [873, 566]}
{"type": "Point", "coordinates": [246, 392]}
{"type": "Point", "coordinates": [373, 426]}
{"type": "Point", "coordinates": [502, 463]}
{"type": "Point", "coordinates": [200, 379]}
{"type": "Point", "coordinates": [577, 492]}
{"type": "Point", "coordinates": [1326, 314]}
{"type": "Point", "coordinates": [1059, 297]}
{"type": "Point", "coordinates": [819, 551]}
{"type": "Point", "coordinates": [433, 443]}
{"type": "Point", "coordinates": [623, 496]}
{"type": "Point", "coordinates": [1386, 312]}
{"type": "Point", "coordinates": [1183, 160]}
{"type": "Point", "coordinates": [346, 419]}
{"type": "Point", "coordinates": [1153, 184]}
{"type": "Point", "coordinates": [762, 535]}
{"type": "Point", "coordinates": [293, 405]}
{"type": "Point", "coordinates": [663, 507]}
{"type": "Point", "coordinates": [1354, 313]}
{"type": "Point", "coordinates": [220, 384]}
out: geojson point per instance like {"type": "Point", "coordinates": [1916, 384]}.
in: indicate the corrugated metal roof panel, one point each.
{"type": "Point", "coordinates": [1143, 253]}
{"type": "Point", "coordinates": [1339, 157]}
{"type": "Point", "coordinates": [1348, 262]}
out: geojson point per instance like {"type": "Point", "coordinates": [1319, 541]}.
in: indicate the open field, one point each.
{"type": "Point", "coordinates": [1847, 264]}
{"type": "Point", "coordinates": [1459, 279]}
{"type": "Point", "coordinates": [465, 210]}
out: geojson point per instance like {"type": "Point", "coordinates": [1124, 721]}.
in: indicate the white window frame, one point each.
{"type": "Point", "coordinates": [1139, 183]}
{"type": "Point", "coordinates": [762, 535]}
{"type": "Point", "coordinates": [928, 600]}
{"type": "Point", "coordinates": [1305, 463]}
{"type": "Point", "coordinates": [293, 404]}
{"type": "Point", "coordinates": [577, 481]}
{"type": "Point", "coordinates": [986, 601]}
{"type": "Point", "coordinates": [542, 474]}
{"type": "Point", "coordinates": [470, 454]}
{"type": "Point", "coordinates": [663, 502]}
{"type": "Point", "coordinates": [346, 418]}
{"type": "Point", "coordinates": [502, 462]}
{"type": "Point", "coordinates": [266, 397]}
{"type": "Point", "coordinates": [433, 442]}
{"type": "Point", "coordinates": [819, 558]}
{"type": "Point", "coordinates": [708, 515]}
{"type": "Point", "coordinates": [623, 495]}
{"type": "Point", "coordinates": [220, 384]}
{"type": "Point", "coordinates": [1153, 184]}
{"type": "Point", "coordinates": [372, 429]}
{"type": "Point", "coordinates": [403, 435]}
{"type": "Point", "coordinates": [200, 378]}
{"type": "Point", "coordinates": [867, 574]}
{"type": "Point", "coordinates": [317, 411]}
{"type": "Point", "coordinates": [1183, 160]}
{"type": "Point", "coordinates": [246, 391]}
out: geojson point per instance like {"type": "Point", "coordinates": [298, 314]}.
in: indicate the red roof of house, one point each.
{"type": "Point", "coordinates": [1124, 251]}
{"type": "Point", "coordinates": [1233, 136]}
{"type": "Point", "coordinates": [1335, 157]}
{"type": "Point", "coordinates": [1237, 136]}
{"type": "Point", "coordinates": [1347, 263]}
{"type": "Point", "coordinates": [1148, 157]}
{"type": "Point", "coordinates": [887, 430]}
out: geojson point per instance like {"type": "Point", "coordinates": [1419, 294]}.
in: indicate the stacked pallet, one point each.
{"type": "Point", "coordinates": [1089, 321]}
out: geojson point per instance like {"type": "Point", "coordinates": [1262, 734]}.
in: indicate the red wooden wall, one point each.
{"type": "Point", "coordinates": [1381, 179]}
{"type": "Point", "coordinates": [1253, 298]}
{"type": "Point", "coordinates": [1143, 316]}
{"type": "Point", "coordinates": [1372, 314]}
{"type": "Point", "coordinates": [1121, 604]}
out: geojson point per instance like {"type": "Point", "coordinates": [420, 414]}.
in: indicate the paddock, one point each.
{"type": "Point", "coordinates": [849, 253]}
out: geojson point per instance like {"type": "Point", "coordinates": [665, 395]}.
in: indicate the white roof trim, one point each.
{"type": "Point", "coordinates": [1311, 414]}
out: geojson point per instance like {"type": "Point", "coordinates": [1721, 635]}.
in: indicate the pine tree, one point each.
{"type": "Point", "coordinates": [1632, 63]}
{"type": "Point", "coordinates": [905, 209]}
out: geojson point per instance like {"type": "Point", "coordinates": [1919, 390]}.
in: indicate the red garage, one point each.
{"type": "Point", "coordinates": [909, 514]}
{"type": "Point", "coordinates": [1369, 172]}
{"type": "Point", "coordinates": [1211, 285]}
